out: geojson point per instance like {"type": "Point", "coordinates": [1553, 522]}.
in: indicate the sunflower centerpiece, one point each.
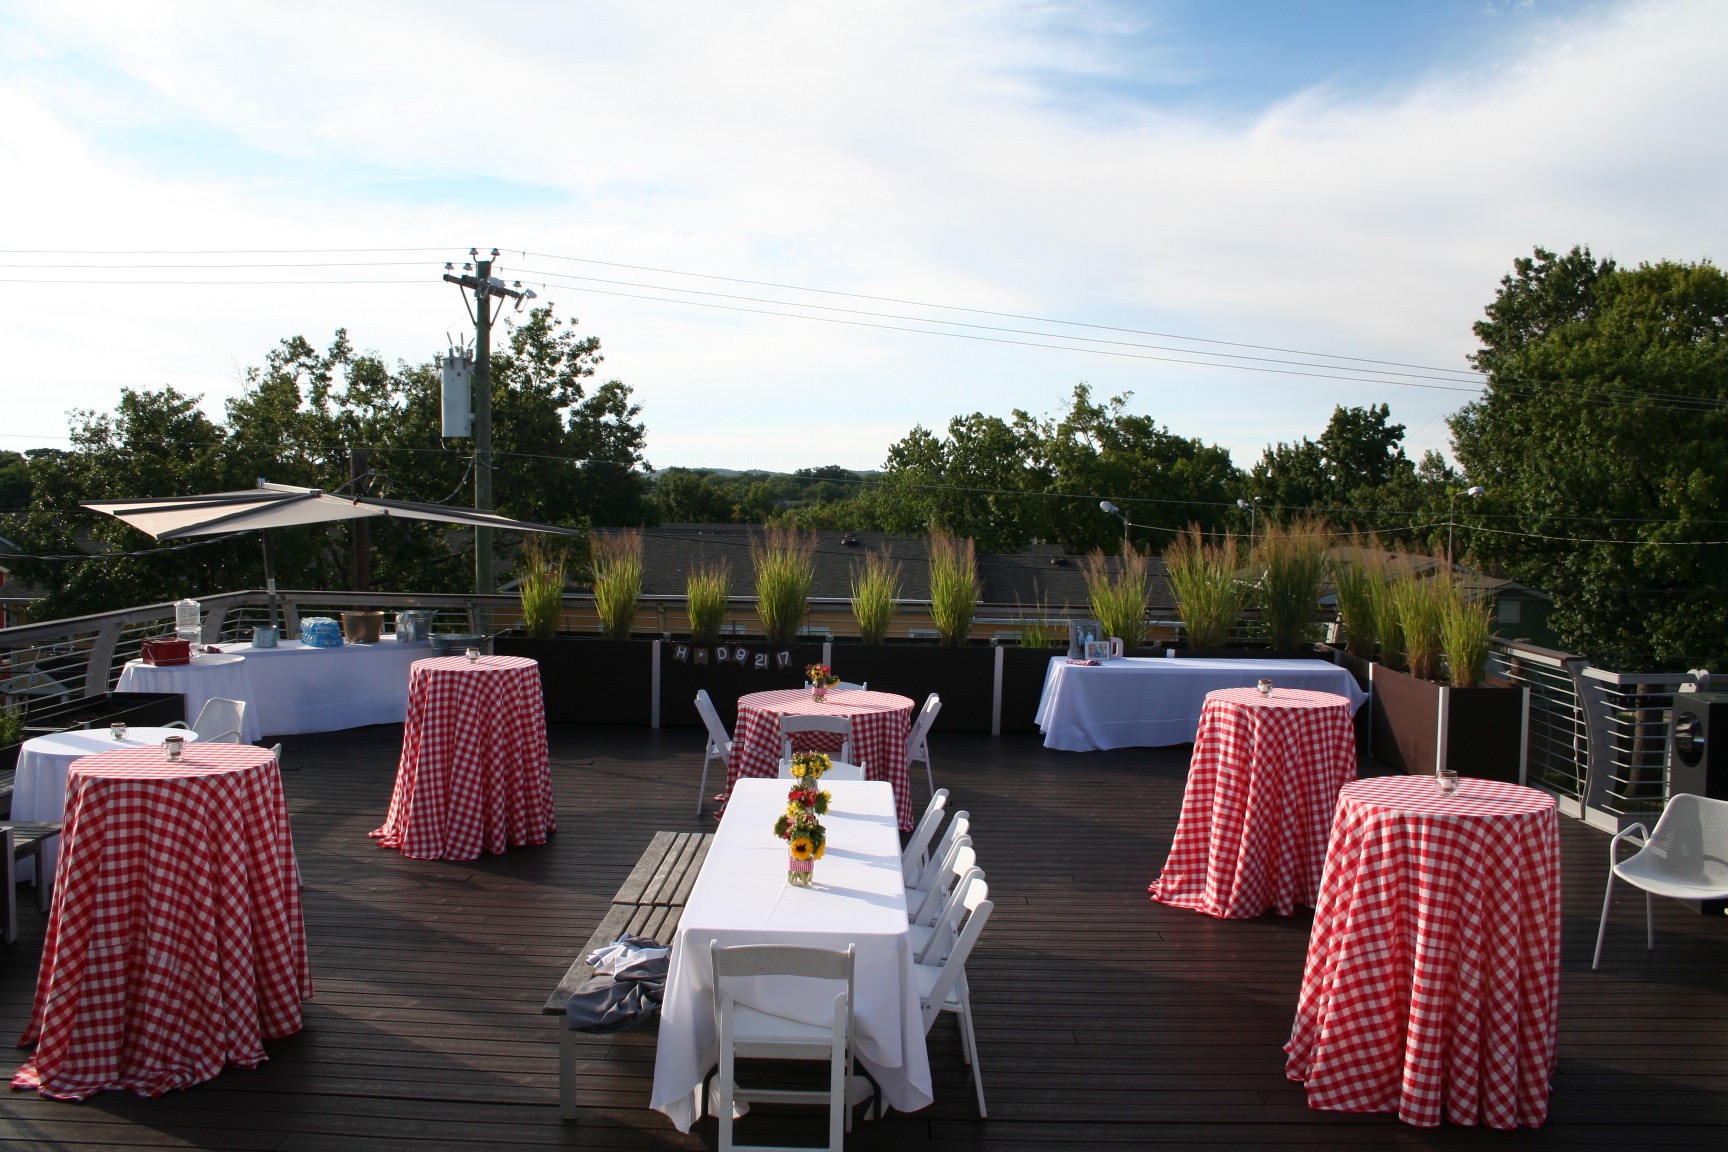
{"type": "Point", "coordinates": [800, 826]}
{"type": "Point", "coordinates": [821, 678]}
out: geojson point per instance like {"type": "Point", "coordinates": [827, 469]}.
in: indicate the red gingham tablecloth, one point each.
{"type": "Point", "coordinates": [881, 721]}
{"type": "Point", "coordinates": [1261, 787]}
{"type": "Point", "coordinates": [1433, 977]}
{"type": "Point", "coordinates": [175, 943]}
{"type": "Point", "coordinates": [474, 774]}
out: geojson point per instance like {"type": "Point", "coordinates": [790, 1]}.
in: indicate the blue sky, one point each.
{"type": "Point", "coordinates": [1344, 179]}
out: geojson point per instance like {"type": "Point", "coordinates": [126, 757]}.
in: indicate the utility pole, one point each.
{"type": "Point", "coordinates": [478, 279]}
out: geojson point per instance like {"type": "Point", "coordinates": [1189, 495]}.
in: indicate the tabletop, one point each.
{"type": "Point", "coordinates": [1258, 806]}
{"type": "Point", "coordinates": [741, 897]}
{"type": "Point", "coordinates": [295, 687]}
{"type": "Point", "coordinates": [1432, 983]}
{"type": "Point", "coordinates": [881, 723]}
{"type": "Point", "coordinates": [175, 944]}
{"type": "Point", "coordinates": [39, 785]}
{"type": "Point", "coordinates": [474, 773]}
{"type": "Point", "coordinates": [1154, 702]}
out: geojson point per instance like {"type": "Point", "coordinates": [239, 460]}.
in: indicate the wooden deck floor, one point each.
{"type": "Point", "coordinates": [1104, 1020]}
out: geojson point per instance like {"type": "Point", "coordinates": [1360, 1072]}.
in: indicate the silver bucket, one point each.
{"type": "Point", "coordinates": [264, 636]}
{"type": "Point", "coordinates": [414, 626]}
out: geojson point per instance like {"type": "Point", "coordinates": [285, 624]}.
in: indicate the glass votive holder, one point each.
{"type": "Point", "coordinates": [1264, 687]}
{"type": "Point", "coordinates": [472, 654]}
{"type": "Point", "coordinates": [173, 747]}
{"type": "Point", "coordinates": [1446, 780]}
{"type": "Point", "coordinates": [118, 728]}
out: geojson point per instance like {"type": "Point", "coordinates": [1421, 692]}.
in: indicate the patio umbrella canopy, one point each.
{"type": "Point", "coordinates": [283, 506]}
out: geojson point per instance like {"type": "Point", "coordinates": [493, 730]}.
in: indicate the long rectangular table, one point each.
{"type": "Point", "coordinates": [292, 688]}
{"type": "Point", "coordinates": [1149, 702]}
{"type": "Point", "coordinates": [741, 897]}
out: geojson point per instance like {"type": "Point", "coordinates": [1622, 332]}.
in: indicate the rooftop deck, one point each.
{"type": "Point", "coordinates": [1104, 1020]}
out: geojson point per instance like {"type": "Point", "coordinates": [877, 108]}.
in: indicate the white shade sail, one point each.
{"type": "Point", "coordinates": [283, 506]}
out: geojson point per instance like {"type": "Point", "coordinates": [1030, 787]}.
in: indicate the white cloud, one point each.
{"type": "Point", "coordinates": [917, 151]}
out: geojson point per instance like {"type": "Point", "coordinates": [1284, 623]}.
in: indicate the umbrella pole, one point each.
{"type": "Point", "coordinates": [269, 574]}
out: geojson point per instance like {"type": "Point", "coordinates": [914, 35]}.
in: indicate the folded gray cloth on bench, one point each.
{"type": "Point", "coordinates": [626, 999]}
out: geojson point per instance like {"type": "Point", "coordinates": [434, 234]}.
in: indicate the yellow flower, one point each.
{"type": "Point", "coordinates": [820, 849]}
{"type": "Point", "coordinates": [803, 849]}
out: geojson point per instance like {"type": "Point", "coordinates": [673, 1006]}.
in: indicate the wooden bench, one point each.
{"type": "Point", "coordinates": [649, 903]}
{"type": "Point", "coordinates": [19, 841]}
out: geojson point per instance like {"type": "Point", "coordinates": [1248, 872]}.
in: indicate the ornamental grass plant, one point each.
{"type": "Point", "coordinates": [706, 589]}
{"type": "Point", "coordinates": [541, 587]}
{"type": "Point", "coordinates": [1117, 592]}
{"type": "Point", "coordinates": [1035, 628]}
{"type": "Point", "coordinates": [785, 567]}
{"type": "Point", "coordinates": [1388, 629]}
{"type": "Point", "coordinates": [11, 724]}
{"type": "Point", "coordinates": [1421, 606]}
{"type": "Point", "coordinates": [1203, 581]}
{"type": "Point", "coordinates": [875, 589]}
{"type": "Point", "coordinates": [1357, 580]}
{"type": "Point", "coordinates": [1466, 637]}
{"type": "Point", "coordinates": [1291, 562]}
{"type": "Point", "coordinates": [617, 560]}
{"type": "Point", "coordinates": [953, 587]}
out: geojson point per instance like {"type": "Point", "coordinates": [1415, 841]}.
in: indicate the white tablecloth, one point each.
{"type": "Point", "coordinates": [39, 791]}
{"type": "Point", "coordinates": [223, 677]}
{"type": "Point", "coordinates": [292, 688]}
{"type": "Point", "coordinates": [742, 897]}
{"type": "Point", "coordinates": [299, 689]}
{"type": "Point", "coordinates": [1147, 702]}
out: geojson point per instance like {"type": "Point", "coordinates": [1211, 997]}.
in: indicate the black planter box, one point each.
{"type": "Point", "coordinates": [1483, 729]}
{"type": "Point", "coordinates": [965, 678]}
{"type": "Point", "coordinates": [589, 679]}
{"type": "Point", "coordinates": [726, 680]}
{"type": "Point", "coordinates": [1023, 672]}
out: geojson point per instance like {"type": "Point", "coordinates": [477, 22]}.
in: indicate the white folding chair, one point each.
{"type": "Point", "coordinates": [918, 740]}
{"type": "Point", "coordinates": [932, 942]}
{"type": "Point", "coordinates": [942, 987]}
{"type": "Point", "coordinates": [959, 862]}
{"type": "Point", "coordinates": [1686, 858]}
{"type": "Point", "coordinates": [851, 687]}
{"type": "Point", "coordinates": [837, 770]}
{"type": "Point", "coordinates": [792, 725]}
{"type": "Point", "coordinates": [958, 828]}
{"type": "Point", "coordinates": [914, 857]}
{"type": "Point", "coordinates": [719, 743]}
{"type": "Point", "coordinates": [219, 721]}
{"type": "Point", "coordinates": [757, 1034]}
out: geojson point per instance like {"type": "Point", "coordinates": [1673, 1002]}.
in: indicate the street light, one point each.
{"type": "Point", "coordinates": [1252, 509]}
{"type": "Point", "coordinates": [1451, 515]}
{"type": "Point", "coordinates": [1106, 506]}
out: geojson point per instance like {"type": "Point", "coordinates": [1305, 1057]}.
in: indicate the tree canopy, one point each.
{"type": "Point", "coordinates": [1603, 438]}
{"type": "Point", "coordinates": [573, 453]}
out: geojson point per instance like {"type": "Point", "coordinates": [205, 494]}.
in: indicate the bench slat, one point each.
{"type": "Point", "coordinates": [630, 892]}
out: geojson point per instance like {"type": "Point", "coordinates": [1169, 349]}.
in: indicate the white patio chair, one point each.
{"type": "Point", "coordinates": [942, 987]}
{"type": "Point", "coordinates": [791, 725]}
{"type": "Point", "coordinates": [918, 740]}
{"type": "Point", "coordinates": [719, 743]}
{"type": "Point", "coordinates": [756, 1034]}
{"type": "Point", "coordinates": [960, 826]}
{"type": "Point", "coordinates": [219, 721]}
{"type": "Point", "coordinates": [959, 862]}
{"type": "Point", "coordinates": [851, 687]}
{"type": "Point", "coordinates": [1686, 858]}
{"type": "Point", "coordinates": [837, 770]}
{"type": "Point", "coordinates": [915, 856]}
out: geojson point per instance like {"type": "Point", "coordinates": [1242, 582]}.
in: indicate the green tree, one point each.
{"type": "Point", "coordinates": [1604, 427]}
{"type": "Point", "coordinates": [1355, 469]}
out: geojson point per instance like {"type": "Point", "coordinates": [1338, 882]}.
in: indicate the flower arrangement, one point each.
{"type": "Point", "coordinates": [821, 678]}
{"type": "Point", "coordinates": [800, 826]}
